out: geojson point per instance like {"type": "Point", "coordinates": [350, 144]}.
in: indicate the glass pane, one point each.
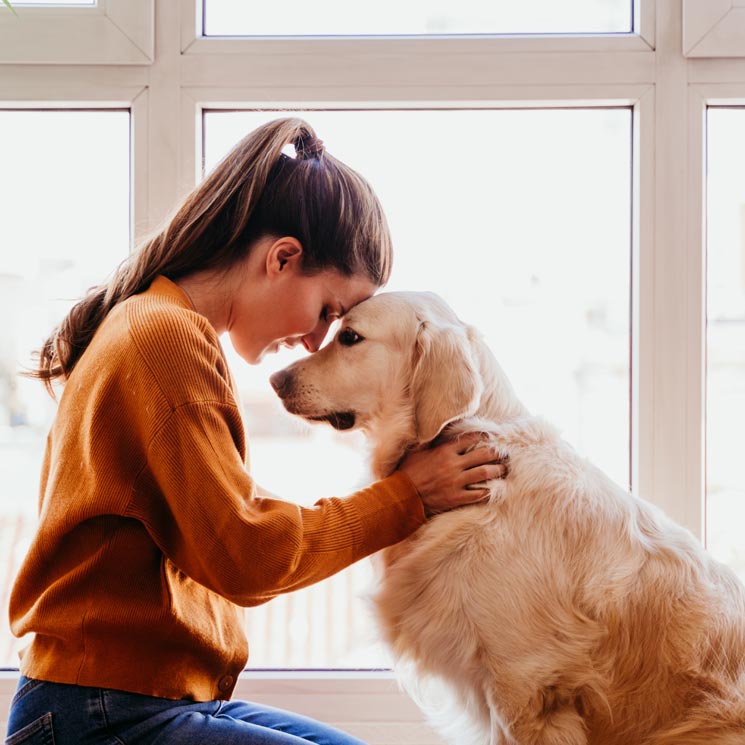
{"type": "Point", "coordinates": [416, 17]}
{"type": "Point", "coordinates": [65, 203]}
{"type": "Point", "coordinates": [521, 221]}
{"type": "Point", "coordinates": [725, 338]}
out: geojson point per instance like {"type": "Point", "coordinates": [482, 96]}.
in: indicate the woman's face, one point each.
{"type": "Point", "coordinates": [294, 308]}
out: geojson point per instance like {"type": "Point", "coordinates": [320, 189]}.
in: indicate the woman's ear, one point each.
{"type": "Point", "coordinates": [284, 254]}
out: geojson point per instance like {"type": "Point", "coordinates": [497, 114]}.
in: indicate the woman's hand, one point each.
{"type": "Point", "coordinates": [445, 475]}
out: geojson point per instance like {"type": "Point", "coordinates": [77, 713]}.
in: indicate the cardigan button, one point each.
{"type": "Point", "coordinates": [226, 682]}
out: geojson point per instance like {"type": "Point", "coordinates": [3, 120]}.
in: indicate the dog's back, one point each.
{"type": "Point", "coordinates": [574, 612]}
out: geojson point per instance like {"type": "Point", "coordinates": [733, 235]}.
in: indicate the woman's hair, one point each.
{"type": "Point", "coordinates": [255, 191]}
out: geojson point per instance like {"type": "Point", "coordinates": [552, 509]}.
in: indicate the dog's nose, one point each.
{"type": "Point", "coordinates": [281, 381]}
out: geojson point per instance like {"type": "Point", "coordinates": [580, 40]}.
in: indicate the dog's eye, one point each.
{"type": "Point", "coordinates": [348, 337]}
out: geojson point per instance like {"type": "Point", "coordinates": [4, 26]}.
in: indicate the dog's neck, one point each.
{"type": "Point", "coordinates": [389, 445]}
{"type": "Point", "coordinates": [499, 402]}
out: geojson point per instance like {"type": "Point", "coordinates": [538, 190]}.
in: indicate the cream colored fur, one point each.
{"type": "Point", "coordinates": [564, 611]}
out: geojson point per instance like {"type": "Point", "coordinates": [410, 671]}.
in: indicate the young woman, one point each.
{"type": "Point", "coordinates": [152, 535]}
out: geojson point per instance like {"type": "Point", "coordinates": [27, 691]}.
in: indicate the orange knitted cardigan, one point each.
{"type": "Point", "coordinates": [151, 537]}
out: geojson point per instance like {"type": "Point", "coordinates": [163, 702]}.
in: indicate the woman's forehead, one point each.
{"type": "Point", "coordinates": [348, 291]}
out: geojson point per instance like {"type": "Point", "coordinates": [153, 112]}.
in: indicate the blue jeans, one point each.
{"type": "Point", "coordinates": [43, 713]}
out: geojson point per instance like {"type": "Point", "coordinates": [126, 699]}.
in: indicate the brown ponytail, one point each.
{"type": "Point", "coordinates": [255, 190]}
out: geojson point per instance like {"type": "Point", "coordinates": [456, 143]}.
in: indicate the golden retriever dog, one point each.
{"type": "Point", "coordinates": [561, 611]}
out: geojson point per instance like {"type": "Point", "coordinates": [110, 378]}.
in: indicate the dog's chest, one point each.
{"type": "Point", "coordinates": [430, 586]}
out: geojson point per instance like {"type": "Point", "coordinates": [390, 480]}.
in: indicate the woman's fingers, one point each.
{"type": "Point", "coordinates": [479, 474]}
{"type": "Point", "coordinates": [453, 474]}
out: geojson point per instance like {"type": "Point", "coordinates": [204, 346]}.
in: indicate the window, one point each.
{"type": "Point", "coordinates": [416, 17]}
{"type": "Point", "coordinates": [470, 234]}
{"type": "Point", "coordinates": [725, 380]}
{"type": "Point", "coordinates": [65, 226]}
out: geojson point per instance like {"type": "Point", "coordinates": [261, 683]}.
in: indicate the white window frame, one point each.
{"type": "Point", "coordinates": [714, 28]}
{"type": "Point", "coordinates": [669, 71]}
{"type": "Point", "coordinates": [117, 32]}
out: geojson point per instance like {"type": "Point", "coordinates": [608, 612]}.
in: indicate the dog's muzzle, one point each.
{"type": "Point", "coordinates": [283, 383]}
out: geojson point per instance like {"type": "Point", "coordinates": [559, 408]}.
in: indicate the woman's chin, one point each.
{"type": "Point", "coordinates": [257, 358]}
{"type": "Point", "coordinates": [251, 357]}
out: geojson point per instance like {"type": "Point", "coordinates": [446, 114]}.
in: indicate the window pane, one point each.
{"type": "Point", "coordinates": [65, 202]}
{"type": "Point", "coordinates": [415, 17]}
{"type": "Point", "coordinates": [521, 221]}
{"type": "Point", "coordinates": [725, 338]}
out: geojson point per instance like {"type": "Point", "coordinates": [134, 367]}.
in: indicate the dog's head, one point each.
{"type": "Point", "coordinates": [400, 360]}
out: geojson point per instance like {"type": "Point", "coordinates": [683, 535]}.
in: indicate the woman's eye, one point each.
{"type": "Point", "coordinates": [348, 337]}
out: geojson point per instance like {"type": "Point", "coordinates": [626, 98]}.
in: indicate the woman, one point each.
{"type": "Point", "coordinates": [152, 536]}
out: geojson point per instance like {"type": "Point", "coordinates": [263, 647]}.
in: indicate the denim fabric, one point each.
{"type": "Point", "coordinates": [45, 713]}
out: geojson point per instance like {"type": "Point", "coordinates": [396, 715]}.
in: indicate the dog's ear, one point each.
{"type": "Point", "coordinates": [446, 384]}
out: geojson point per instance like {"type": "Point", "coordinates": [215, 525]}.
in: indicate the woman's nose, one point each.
{"type": "Point", "coordinates": [312, 341]}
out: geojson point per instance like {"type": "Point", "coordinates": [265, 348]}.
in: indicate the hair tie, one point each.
{"type": "Point", "coordinates": [309, 147]}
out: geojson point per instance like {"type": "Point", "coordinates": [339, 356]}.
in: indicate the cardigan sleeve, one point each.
{"type": "Point", "coordinates": [199, 504]}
